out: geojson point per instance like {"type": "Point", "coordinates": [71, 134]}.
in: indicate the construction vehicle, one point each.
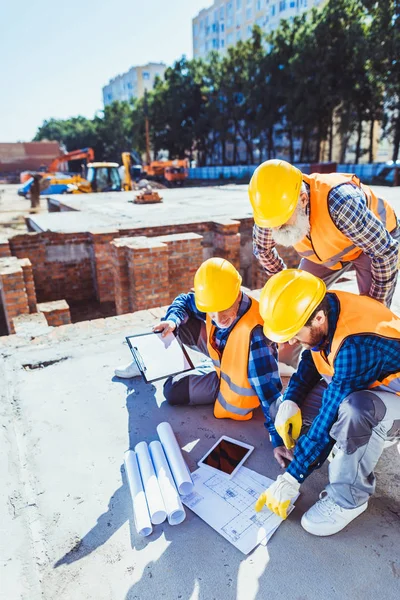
{"type": "Point", "coordinates": [171, 172]}
{"type": "Point", "coordinates": [99, 176]}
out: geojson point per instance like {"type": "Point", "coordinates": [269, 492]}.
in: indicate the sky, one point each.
{"type": "Point", "coordinates": [55, 57]}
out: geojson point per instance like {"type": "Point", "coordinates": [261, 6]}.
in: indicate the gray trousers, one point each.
{"type": "Point", "coordinates": [366, 420]}
{"type": "Point", "coordinates": [200, 385]}
{"type": "Point", "coordinates": [290, 355]}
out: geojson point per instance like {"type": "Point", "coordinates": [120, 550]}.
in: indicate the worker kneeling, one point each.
{"type": "Point", "coordinates": [224, 323]}
{"type": "Point", "coordinates": [345, 394]}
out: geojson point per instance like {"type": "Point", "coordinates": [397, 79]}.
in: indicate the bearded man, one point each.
{"type": "Point", "coordinates": [332, 220]}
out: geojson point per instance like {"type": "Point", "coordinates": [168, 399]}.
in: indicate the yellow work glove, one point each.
{"type": "Point", "coordinates": [279, 495]}
{"type": "Point", "coordinates": [288, 416]}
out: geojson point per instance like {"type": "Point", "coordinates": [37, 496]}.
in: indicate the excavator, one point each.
{"type": "Point", "coordinates": [171, 172]}
{"type": "Point", "coordinates": [100, 176]}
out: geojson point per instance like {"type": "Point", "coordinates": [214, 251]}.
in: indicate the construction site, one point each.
{"type": "Point", "coordinates": [77, 277]}
{"type": "Point", "coordinates": [200, 301]}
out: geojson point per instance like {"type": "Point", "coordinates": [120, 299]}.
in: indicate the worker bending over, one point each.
{"type": "Point", "coordinates": [345, 393]}
{"type": "Point", "coordinates": [332, 220]}
{"type": "Point", "coordinates": [224, 323]}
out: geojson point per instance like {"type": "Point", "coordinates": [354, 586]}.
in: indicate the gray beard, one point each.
{"type": "Point", "coordinates": [289, 235]}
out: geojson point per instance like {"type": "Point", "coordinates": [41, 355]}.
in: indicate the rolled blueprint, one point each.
{"type": "Point", "coordinates": [180, 471]}
{"type": "Point", "coordinates": [150, 484]}
{"type": "Point", "coordinates": [173, 505]}
{"type": "Point", "coordinates": [140, 510]}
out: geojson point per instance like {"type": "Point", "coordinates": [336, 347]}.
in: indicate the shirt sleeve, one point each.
{"type": "Point", "coordinates": [183, 307]}
{"type": "Point", "coordinates": [263, 373]}
{"type": "Point", "coordinates": [357, 365]}
{"type": "Point", "coordinates": [264, 250]}
{"type": "Point", "coordinates": [303, 381]}
{"type": "Point", "coordinates": [353, 218]}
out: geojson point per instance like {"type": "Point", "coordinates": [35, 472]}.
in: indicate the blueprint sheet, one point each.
{"type": "Point", "coordinates": [228, 506]}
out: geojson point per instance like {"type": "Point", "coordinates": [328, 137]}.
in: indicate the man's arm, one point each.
{"type": "Point", "coordinates": [303, 381]}
{"type": "Point", "coordinates": [353, 218]}
{"type": "Point", "coordinates": [263, 373]}
{"type": "Point", "coordinates": [264, 250]}
{"type": "Point", "coordinates": [183, 307]}
{"type": "Point", "coordinates": [357, 365]}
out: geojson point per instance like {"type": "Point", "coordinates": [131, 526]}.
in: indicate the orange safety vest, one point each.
{"type": "Point", "coordinates": [236, 398]}
{"type": "Point", "coordinates": [326, 244]}
{"type": "Point", "coordinates": [361, 315]}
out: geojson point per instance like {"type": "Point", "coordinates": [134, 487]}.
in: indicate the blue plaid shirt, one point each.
{"type": "Point", "coordinates": [361, 360]}
{"type": "Point", "coordinates": [263, 369]}
{"type": "Point", "coordinates": [350, 214]}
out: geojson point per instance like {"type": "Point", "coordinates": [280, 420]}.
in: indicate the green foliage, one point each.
{"type": "Point", "coordinates": [337, 67]}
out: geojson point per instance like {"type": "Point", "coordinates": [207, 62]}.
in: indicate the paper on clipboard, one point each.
{"type": "Point", "coordinates": [158, 357]}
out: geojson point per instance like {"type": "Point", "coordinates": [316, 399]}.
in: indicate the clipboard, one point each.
{"type": "Point", "coordinates": [158, 357]}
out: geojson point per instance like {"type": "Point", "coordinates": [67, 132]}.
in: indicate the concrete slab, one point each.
{"type": "Point", "coordinates": [183, 205]}
{"type": "Point", "coordinates": [68, 533]}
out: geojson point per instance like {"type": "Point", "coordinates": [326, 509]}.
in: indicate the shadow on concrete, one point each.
{"type": "Point", "coordinates": [120, 505]}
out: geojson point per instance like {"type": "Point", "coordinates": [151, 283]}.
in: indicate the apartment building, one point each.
{"type": "Point", "coordinates": [133, 83]}
{"type": "Point", "coordinates": [227, 21]}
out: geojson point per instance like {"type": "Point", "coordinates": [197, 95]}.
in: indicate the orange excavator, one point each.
{"type": "Point", "coordinates": [84, 153]}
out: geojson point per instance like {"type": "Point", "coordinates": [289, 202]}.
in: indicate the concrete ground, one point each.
{"type": "Point", "coordinates": [14, 209]}
{"type": "Point", "coordinates": [181, 205]}
{"type": "Point", "coordinates": [68, 529]}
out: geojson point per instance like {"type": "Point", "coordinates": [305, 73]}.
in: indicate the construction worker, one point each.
{"type": "Point", "coordinates": [345, 393]}
{"type": "Point", "coordinates": [223, 323]}
{"type": "Point", "coordinates": [332, 220]}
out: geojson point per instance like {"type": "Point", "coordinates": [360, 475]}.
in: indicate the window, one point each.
{"type": "Point", "coordinates": [222, 13]}
{"type": "Point", "coordinates": [238, 4]}
{"type": "Point", "coordinates": [249, 30]}
{"type": "Point", "coordinates": [195, 29]}
{"type": "Point", "coordinates": [229, 39]}
{"type": "Point", "coordinates": [273, 10]}
{"type": "Point", "coordinates": [238, 19]}
{"type": "Point", "coordinates": [215, 43]}
{"type": "Point", "coordinates": [238, 35]}
{"type": "Point", "coordinates": [282, 5]}
{"type": "Point", "coordinates": [259, 4]}
{"type": "Point", "coordinates": [215, 27]}
{"type": "Point", "coordinates": [292, 4]}
{"type": "Point", "coordinates": [201, 25]}
{"type": "Point", "coordinates": [222, 43]}
{"type": "Point", "coordinates": [248, 14]}
{"type": "Point", "coordinates": [222, 27]}
{"type": "Point", "coordinates": [146, 75]}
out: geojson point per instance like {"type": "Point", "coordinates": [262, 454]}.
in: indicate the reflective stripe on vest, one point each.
{"type": "Point", "coordinates": [360, 315]}
{"type": "Point", "coordinates": [242, 391]}
{"type": "Point", "coordinates": [326, 244]}
{"type": "Point", "coordinates": [232, 408]}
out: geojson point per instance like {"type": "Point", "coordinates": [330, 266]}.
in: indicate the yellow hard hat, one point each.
{"type": "Point", "coordinates": [274, 191]}
{"type": "Point", "coordinates": [216, 285]}
{"type": "Point", "coordinates": [287, 301]}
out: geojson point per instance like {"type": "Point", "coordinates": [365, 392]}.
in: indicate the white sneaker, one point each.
{"type": "Point", "coordinates": [128, 371]}
{"type": "Point", "coordinates": [326, 517]}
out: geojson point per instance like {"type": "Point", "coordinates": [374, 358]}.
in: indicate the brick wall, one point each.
{"type": "Point", "coordinates": [61, 264]}
{"type": "Point", "coordinates": [103, 263]}
{"type": "Point", "coordinates": [27, 271]}
{"type": "Point", "coordinates": [150, 272]}
{"type": "Point", "coordinates": [56, 313]}
{"type": "Point", "coordinates": [12, 288]}
{"type": "Point", "coordinates": [4, 249]}
{"type": "Point", "coordinates": [185, 255]}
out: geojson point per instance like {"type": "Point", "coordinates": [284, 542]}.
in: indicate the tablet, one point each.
{"type": "Point", "coordinates": [226, 456]}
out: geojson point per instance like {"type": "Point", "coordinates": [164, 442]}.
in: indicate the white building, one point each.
{"type": "Point", "coordinates": [228, 21]}
{"type": "Point", "coordinates": [133, 83]}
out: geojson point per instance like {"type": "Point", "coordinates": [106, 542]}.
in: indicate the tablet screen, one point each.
{"type": "Point", "coordinates": [225, 456]}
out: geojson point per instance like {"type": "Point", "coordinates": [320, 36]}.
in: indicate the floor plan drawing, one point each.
{"type": "Point", "coordinates": [227, 505]}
